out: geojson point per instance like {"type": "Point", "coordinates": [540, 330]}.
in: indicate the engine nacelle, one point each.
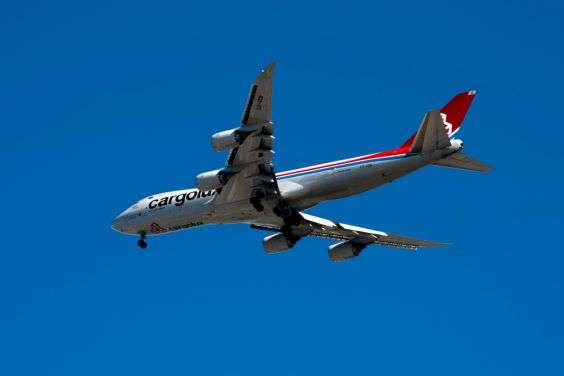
{"type": "Point", "coordinates": [206, 181]}
{"type": "Point", "coordinates": [227, 139]}
{"type": "Point", "coordinates": [278, 243]}
{"type": "Point", "coordinates": [345, 250]}
{"type": "Point", "coordinates": [234, 137]}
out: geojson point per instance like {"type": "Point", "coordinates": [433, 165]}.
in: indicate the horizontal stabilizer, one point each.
{"type": "Point", "coordinates": [463, 161]}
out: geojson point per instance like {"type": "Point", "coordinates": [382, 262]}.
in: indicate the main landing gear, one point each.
{"type": "Point", "coordinates": [290, 215]}
{"type": "Point", "coordinates": [256, 200]}
{"type": "Point", "coordinates": [141, 242]}
{"type": "Point", "coordinates": [257, 204]}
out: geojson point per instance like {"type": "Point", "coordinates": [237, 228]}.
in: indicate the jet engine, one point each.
{"type": "Point", "coordinates": [234, 137]}
{"type": "Point", "coordinates": [212, 179]}
{"type": "Point", "coordinates": [278, 243]}
{"type": "Point", "coordinates": [345, 250]}
{"type": "Point", "coordinates": [227, 139]}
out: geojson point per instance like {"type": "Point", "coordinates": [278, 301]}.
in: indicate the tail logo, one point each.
{"type": "Point", "coordinates": [448, 126]}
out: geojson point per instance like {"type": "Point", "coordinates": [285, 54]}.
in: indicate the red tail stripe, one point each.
{"type": "Point", "coordinates": [456, 109]}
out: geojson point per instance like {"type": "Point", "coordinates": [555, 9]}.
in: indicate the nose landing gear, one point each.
{"type": "Point", "coordinates": [141, 242]}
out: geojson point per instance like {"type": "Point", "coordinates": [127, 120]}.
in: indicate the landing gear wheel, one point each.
{"type": "Point", "coordinates": [290, 215]}
{"type": "Point", "coordinates": [294, 220]}
{"type": "Point", "coordinates": [257, 204]}
{"type": "Point", "coordinates": [141, 242]}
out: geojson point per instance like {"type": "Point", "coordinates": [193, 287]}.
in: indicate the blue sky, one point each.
{"type": "Point", "coordinates": [106, 102]}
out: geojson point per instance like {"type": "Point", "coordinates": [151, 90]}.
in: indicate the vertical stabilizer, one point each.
{"type": "Point", "coordinates": [438, 126]}
{"type": "Point", "coordinates": [453, 112]}
{"type": "Point", "coordinates": [431, 134]}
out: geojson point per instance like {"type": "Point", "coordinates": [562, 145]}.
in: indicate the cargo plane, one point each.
{"type": "Point", "coordinates": [248, 189]}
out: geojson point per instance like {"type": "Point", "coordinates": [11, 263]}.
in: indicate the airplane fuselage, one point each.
{"type": "Point", "coordinates": [301, 188]}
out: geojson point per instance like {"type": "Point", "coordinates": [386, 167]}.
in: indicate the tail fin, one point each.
{"type": "Point", "coordinates": [454, 112]}
{"type": "Point", "coordinates": [451, 117]}
{"type": "Point", "coordinates": [431, 134]}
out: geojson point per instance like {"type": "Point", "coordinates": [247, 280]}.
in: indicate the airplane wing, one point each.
{"type": "Point", "coordinates": [252, 159]}
{"type": "Point", "coordinates": [361, 237]}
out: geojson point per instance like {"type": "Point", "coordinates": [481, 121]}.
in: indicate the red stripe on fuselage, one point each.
{"type": "Point", "coordinates": [388, 153]}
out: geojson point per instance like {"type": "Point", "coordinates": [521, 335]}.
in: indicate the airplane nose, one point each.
{"type": "Point", "coordinates": [117, 223]}
{"type": "Point", "coordinates": [128, 221]}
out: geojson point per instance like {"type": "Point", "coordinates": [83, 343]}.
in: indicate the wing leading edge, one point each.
{"type": "Point", "coordinates": [251, 161]}
{"type": "Point", "coordinates": [352, 238]}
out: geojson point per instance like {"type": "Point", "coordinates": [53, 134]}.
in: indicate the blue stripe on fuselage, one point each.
{"type": "Point", "coordinates": [350, 164]}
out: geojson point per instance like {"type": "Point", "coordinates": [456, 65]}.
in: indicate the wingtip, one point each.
{"type": "Point", "coordinates": [432, 244]}
{"type": "Point", "coordinates": [267, 72]}
{"type": "Point", "coordinates": [270, 67]}
{"type": "Point", "coordinates": [435, 245]}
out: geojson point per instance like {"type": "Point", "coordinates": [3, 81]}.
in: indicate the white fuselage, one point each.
{"type": "Point", "coordinates": [301, 188]}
